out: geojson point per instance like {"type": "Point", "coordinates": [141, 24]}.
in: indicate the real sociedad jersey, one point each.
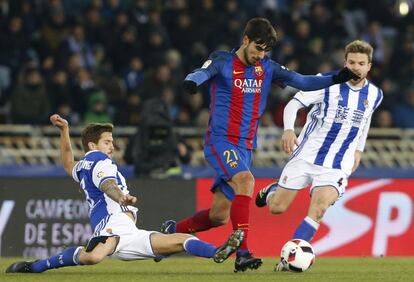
{"type": "Point", "coordinates": [90, 172]}
{"type": "Point", "coordinates": [335, 124]}
{"type": "Point", "coordinates": [238, 94]}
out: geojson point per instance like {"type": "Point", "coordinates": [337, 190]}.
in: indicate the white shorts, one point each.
{"type": "Point", "coordinates": [134, 243]}
{"type": "Point", "coordinates": [299, 174]}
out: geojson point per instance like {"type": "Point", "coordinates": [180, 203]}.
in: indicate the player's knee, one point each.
{"type": "Point", "coordinates": [245, 183]}
{"type": "Point", "coordinates": [277, 207]}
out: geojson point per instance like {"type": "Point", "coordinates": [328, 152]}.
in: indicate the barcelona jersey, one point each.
{"type": "Point", "coordinates": [238, 94]}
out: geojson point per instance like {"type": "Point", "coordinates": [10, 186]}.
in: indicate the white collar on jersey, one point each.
{"type": "Point", "coordinates": [353, 88]}
{"type": "Point", "coordinates": [87, 153]}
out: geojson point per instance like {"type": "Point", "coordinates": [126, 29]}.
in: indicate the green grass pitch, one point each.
{"type": "Point", "coordinates": [196, 269]}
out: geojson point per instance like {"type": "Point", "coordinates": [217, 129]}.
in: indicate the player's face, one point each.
{"type": "Point", "coordinates": [106, 144]}
{"type": "Point", "coordinates": [253, 52]}
{"type": "Point", "coordinates": [359, 64]}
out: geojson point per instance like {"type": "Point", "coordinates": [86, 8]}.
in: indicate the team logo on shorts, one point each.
{"type": "Point", "coordinates": [284, 180]}
{"type": "Point", "coordinates": [234, 164]}
{"type": "Point", "coordinates": [100, 174]}
{"type": "Point", "coordinates": [258, 70]}
{"type": "Point", "coordinates": [109, 230]}
{"type": "Point", "coordinates": [366, 103]}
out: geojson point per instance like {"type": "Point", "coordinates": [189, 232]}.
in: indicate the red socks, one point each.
{"type": "Point", "coordinates": [239, 215]}
{"type": "Point", "coordinates": [198, 222]}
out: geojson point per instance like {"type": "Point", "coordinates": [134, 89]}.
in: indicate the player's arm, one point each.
{"type": "Point", "coordinates": [289, 139]}
{"type": "Point", "coordinates": [110, 188]}
{"type": "Point", "coordinates": [209, 69]}
{"type": "Point", "coordinates": [66, 153]}
{"type": "Point", "coordinates": [310, 82]}
{"type": "Point", "coordinates": [361, 145]}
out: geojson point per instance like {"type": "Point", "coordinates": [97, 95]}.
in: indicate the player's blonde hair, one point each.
{"type": "Point", "coordinates": [359, 46]}
{"type": "Point", "coordinates": [92, 133]}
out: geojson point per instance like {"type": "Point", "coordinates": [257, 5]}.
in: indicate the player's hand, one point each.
{"type": "Point", "coordinates": [344, 75]}
{"type": "Point", "coordinates": [358, 156]}
{"type": "Point", "coordinates": [127, 200]}
{"type": "Point", "coordinates": [189, 87]}
{"type": "Point", "coordinates": [289, 141]}
{"type": "Point", "coordinates": [59, 122]}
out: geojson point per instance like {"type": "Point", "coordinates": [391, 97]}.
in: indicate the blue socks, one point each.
{"type": "Point", "coordinates": [68, 257]}
{"type": "Point", "coordinates": [306, 230]}
{"type": "Point", "coordinates": [198, 248]}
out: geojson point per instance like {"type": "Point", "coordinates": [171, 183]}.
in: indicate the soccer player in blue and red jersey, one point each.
{"type": "Point", "coordinates": [239, 85]}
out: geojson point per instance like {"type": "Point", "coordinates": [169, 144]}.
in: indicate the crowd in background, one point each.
{"type": "Point", "coordinates": [106, 60]}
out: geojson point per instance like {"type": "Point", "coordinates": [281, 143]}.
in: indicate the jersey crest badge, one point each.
{"type": "Point", "coordinates": [366, 103]}
{"type": "Point", "coordinates": [258, 70]}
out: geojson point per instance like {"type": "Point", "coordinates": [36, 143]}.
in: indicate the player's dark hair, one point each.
{"type": "Point", "coordinates": [359, 46]}
{"type": "Point", "coordinates": [261, 31]}
{"type": "Point", "coordinates": [92, 132]}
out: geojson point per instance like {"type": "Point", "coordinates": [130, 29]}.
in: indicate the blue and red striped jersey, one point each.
{"type": "Point", "coordinates": [238, 94]}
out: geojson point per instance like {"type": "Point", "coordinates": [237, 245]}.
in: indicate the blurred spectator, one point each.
{"type": "Point", "coordinates": [174, 62]}
{"type": "Point", "coordinates": [183, 34]}
{"type": "Point", "coordinates": [134, 75]}
{"type": "Point", "coordinates": [58, 90]}
{"type": "Point", "coordinates": [31, 21]}
{"type": "Point", "coordinates": [155, 82]}
{"type": "Point", "coordinates": [155, 48]}
{"type": "Point", "coordinates": [124, 43]}
{"type": "Point", "coordinates": [168, 98]}
{"type": "Point", "coordinates": [76, 43]}
{"type": "Point", "coordinates": [14, 45]}
{"type": "Point", "coordinates": [140, 12]}
{"type": "Point", "coordinates": [97, 109]}
{"type": "Point", "coordinates": [30, 101]}
{"type": "Point", "coordinates": [131, 112]}
{"type": "Point", "coordinates": [403, 113]}
{"type": "Point", "coordinates": [374, 36]}
{"type": "Point", "coordinates": [53, 31]}
{"type": "Point", "coordinates": [84, 86]}
{"type": "Point", "coordinates": [383, 119]}
{"type": "Point", "coordinates": [111, 7]}
{"type": "Point", "coordinates": [95, 30]}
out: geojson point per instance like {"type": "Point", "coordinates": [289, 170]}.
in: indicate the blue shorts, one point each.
{"type": "Point", "coordinates": [227, 159]}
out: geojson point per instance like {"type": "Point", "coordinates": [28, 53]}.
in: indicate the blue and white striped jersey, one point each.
{"type": "Point", "coordinates": [337, 124]}
{"type": "Point", "coordinates": [91, 170]}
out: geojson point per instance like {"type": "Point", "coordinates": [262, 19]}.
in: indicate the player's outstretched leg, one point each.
{"type": "Point", "coordinates": [167, 227]}
{"type": "Point", "coordinates": [245, 260]}
{"type": "Point", "coordinates": [229, 247]}
{"type": "Point", "coordinates": [69, 257]}
{"type": "Point", "coordinates": [20, 267]}
{"type": "Point", "coordinates": [261, 196]}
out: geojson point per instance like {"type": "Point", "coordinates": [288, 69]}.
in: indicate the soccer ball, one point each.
{"type": "Point", "coordinates": [298, 255]}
